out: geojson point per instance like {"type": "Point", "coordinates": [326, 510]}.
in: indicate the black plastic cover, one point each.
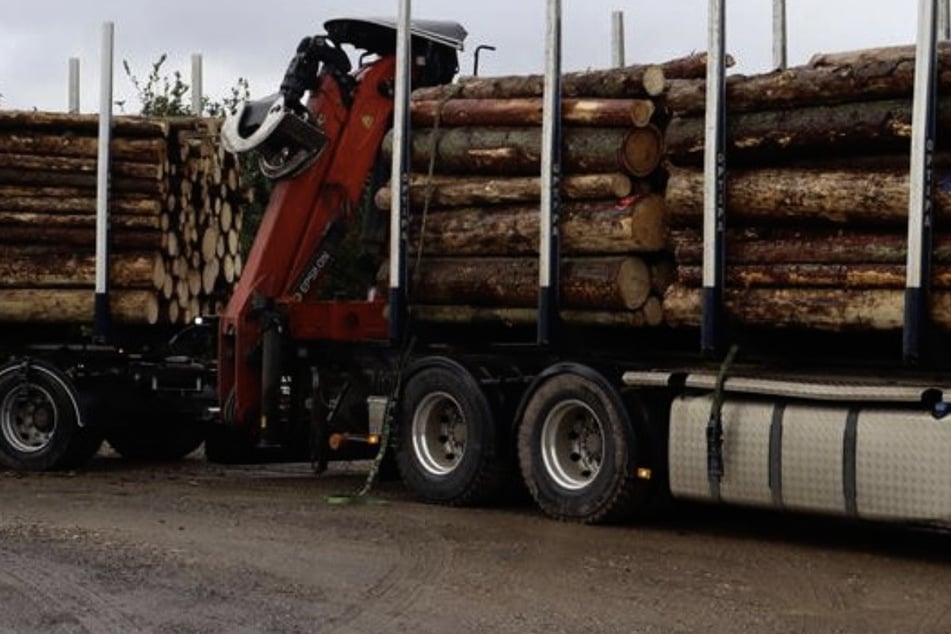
{"type": "Point", "coordinates": [378, 35]}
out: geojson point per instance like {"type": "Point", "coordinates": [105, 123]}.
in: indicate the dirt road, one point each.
{"type": "Point", "coordinates": [194, 547]}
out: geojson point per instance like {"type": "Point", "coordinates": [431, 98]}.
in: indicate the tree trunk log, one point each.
{"type": "Point", "coordinates": [71, 270]}
{"type": "Point", "coordinates": [750, 246]}
{"type": "Point", "coordinates": [852, 276]}
{"type": "Point", "coordinates": [636, 226]}
{"type": "Point", "coordinates": [510, 151]}
{"type": "Point", "coordinates": [845, 197]}
{"type": "Point", "coordinates": [821, 309]}
{"type": "Point", "coordinates": [76, 306]}
{"type": "Point", "coordinates": [650, 315]}
{"type": "Point", "coordinates": [595, 283]}
{"type": "Point", "coordinates": [873, 126]}
{"type": "Point", "coordinates": [862, 79]}
{"type": "Point", "coordinates": [464, 191]}
{"type": "Point", "coordinates": [83, 205]}
{"type": "Point", "coordinates": [87, 181]}
{"type": "Point", "coordinates": [10, 190]}
{"type": "Point", "coordinates": [642, 151]}
{"type": "Point", "coordinates": [80, 236]}
{"type": "Point", "coordinates": [606, 84]}
{"type": "Point", "coordinates": [528, 112]}
{"type": "Point", "coordinates": [123, 149]}
{"type": "Point", "coordinates": [53, 122]}
{"type": "Point", "coordinates": [42, 221]}
{"type": "Point", "coordinates": [81, 165]}
{"type": "Point", "coordinates": [883, 55]}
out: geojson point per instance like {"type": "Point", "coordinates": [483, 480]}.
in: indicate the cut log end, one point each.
{"type": "Point", "coordinates": [642, 151]}
{"type": "Point", "coordinates": [654, 81]}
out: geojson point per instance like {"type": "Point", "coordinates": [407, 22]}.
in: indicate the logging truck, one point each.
{"type": "Point", "coordinates": [620, 330]}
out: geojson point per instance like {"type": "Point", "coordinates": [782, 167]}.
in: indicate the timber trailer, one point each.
{"type": "Point", "coordinates": [598, 425]}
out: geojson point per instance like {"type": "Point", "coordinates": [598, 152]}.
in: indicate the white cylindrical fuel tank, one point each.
{"type": "Point", "coordinates": [876, 462]}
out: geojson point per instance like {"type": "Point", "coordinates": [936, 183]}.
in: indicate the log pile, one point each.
{"type": "Point", "coordinates": [175, 215]}
{"type": "Point", "coordinates": [817, 194]}
{"type": "Point", "coordinates": [475, 195]}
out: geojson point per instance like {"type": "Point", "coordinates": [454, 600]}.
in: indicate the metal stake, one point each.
{"type": "Point", "coordinates": [102, 313]}
{"type": "Point", "coordinates": [74, 85]}
{"type": "Point", "coordinates": [780, 46]}
{"type": "Point", "coordinates": [617, 39]}
{"type": "Point", "coordinates": [197, 96]}
{"type": "Point", "coordinates": [549, 247]}
{"type": "Point", "coordinates": [399, 181]}
{"type": "Point", "coordinates": [714, 202]}
{"type": "Point", "coordinates": [944, 20]}
{"type": "Point", "coordinates": [920, 204]}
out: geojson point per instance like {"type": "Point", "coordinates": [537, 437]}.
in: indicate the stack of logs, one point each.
{"type": "Point", "coordinates": [175, 215]}
{"type": "Point", "coordinates": [817, 194]}
{"type": "Point", "coordinates": [475, 197]}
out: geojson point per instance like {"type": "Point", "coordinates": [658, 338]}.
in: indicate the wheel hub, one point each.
{"type": "Point", "coordinates": [572, 444]}
{"type": "Point", "coordinates": [28, 418]}
{"type": "Point", "coordinates": [439, 432]}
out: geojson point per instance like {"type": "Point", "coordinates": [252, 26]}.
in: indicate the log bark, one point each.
{"type": "Point", "coordinates": [849, 276]}
{"type": "Point", "coordinates": [632, 226]}
{"type": "Point", "coordinates": [75, 306]}
{"type": "Point", "coordinates": [529, 112]}
{"type": "Point", "coordinates": [87, 181]}
{"type": "Point", "coordinates": [79, 205]}
{"type": "Point", "coordinates": [68, 145]}
{"type": "Point", "coordinates": [72, 270]}
{"type": "Point", "coordinates": [125, 240]}
{"type": "Point", "coordinates": [593, 283]}
{"type": "Point", "coordinates": [464, 191]}
{"type": "Point", "coordinates": [53, 122]}
{"type": "Point", "coordinates": [650, 315]}
{"type": "Point", "coordinates": [512, 151]}
{"type": "Point", "coordinates": [820, 309]}
{"type": "Point", "coordinates": [873, 126]}
{"type": "Point", "coordinates": [750, 246]}
{"type": "Point", "coordinates": [859, 79]}
{"type": "Point", "coordinates": [610, 83]}
{"type": "Point", "coordinates": [882, 55]}
{"type": "Point", "coordinates": [81, 165]}
{"type": "Point", "coordinates": [843, 197]}
{"type": "Point", "coordinates": [43, 221]}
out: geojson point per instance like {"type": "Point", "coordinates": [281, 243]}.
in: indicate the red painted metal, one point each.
{"type": "Point", "coordinates": [299, 213]}
{"type": "Point", "coordinates": [338, 321]}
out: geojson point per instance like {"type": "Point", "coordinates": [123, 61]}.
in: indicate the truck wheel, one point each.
{"type": "Point", "coordinates": [157, 440]}
{"type": "Point", "coordinates": [450, 451]}
{"type": "Point", "coordinates": [577, 448]}
{"type": "Point", "coordinates": [39, 419]}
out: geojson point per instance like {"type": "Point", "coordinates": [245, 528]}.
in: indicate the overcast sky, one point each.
{"type": "Point", "coordinates": [254, 39]}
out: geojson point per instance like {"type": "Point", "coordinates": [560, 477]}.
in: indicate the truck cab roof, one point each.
{"type": "Point", "coordinates": [378, 35]}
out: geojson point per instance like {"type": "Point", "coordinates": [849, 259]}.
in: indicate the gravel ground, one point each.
{"type": "Point", "coordinates": [193, 547]}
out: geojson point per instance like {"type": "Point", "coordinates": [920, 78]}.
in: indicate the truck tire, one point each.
{"type": "Point", "coordinates": [577, 448]}
{"type": "Point", "coordinates": [450, 450]}
{"type": "Point", "coordinates": [156, 440]}
{"type": "Point", "coordinates": [40, 419]}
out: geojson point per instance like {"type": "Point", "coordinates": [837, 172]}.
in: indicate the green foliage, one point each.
{"type": "Point", "coordinates": [164, 95]}
{"type": "Point", "coordinates": [159, 95]}
{"type": "Point", "coordinates": [357, 258]}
